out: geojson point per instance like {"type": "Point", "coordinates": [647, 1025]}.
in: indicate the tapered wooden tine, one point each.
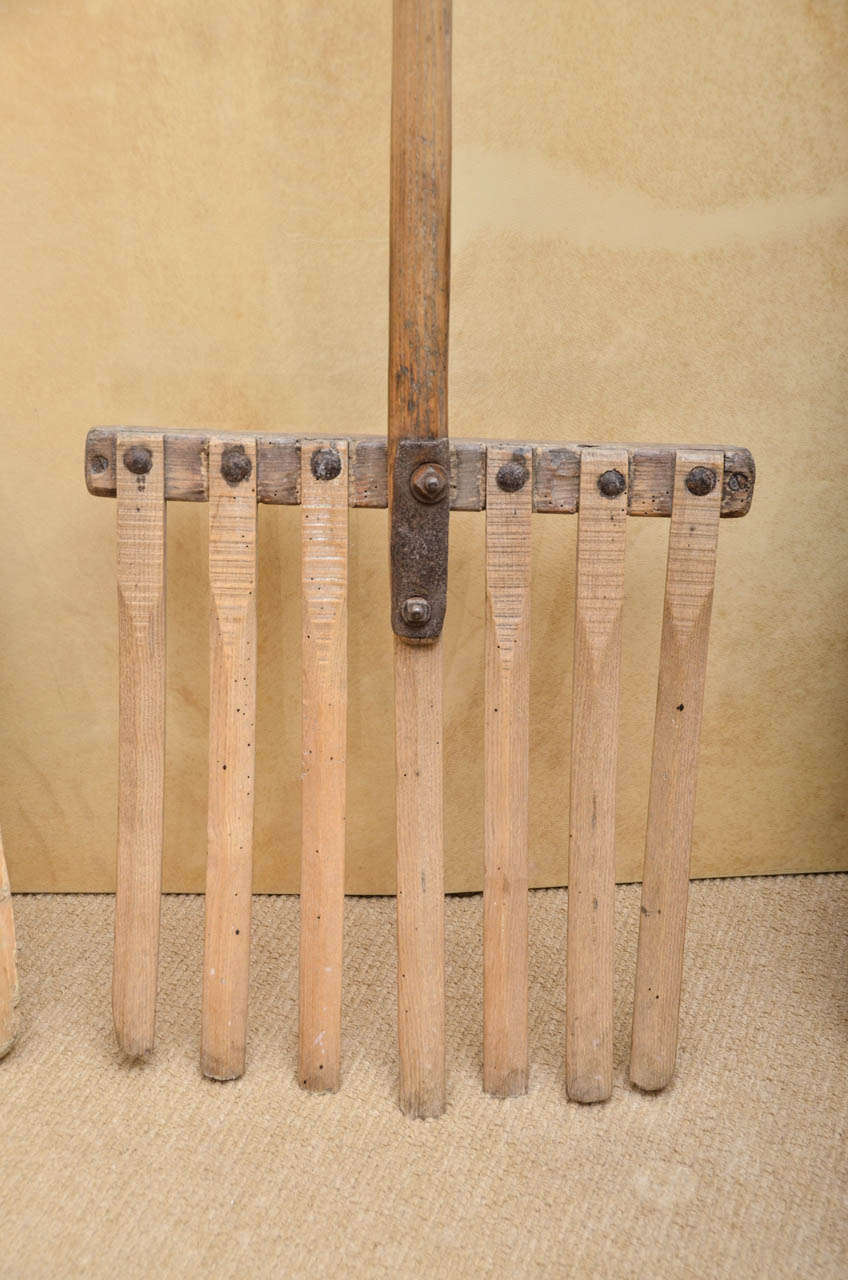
{"type": "Point", "coordinates": [601, 536]}
{"type": "Point", "coordinates": [420, 878]}
{"type": "Point", "coordinates": [232, 718]}
{"type": "Point", "coordinates": [324, 480]}
{"type": "Point", "coordinates": [690, 576]}
{"type": "Point", "coordinates": [509, 503]}
{"type": "Point", "coordinates": [8, 970]}
{"type": "Point", "coordinates": [141, 738]}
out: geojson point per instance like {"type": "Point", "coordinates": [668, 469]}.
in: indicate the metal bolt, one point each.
{"type": "Point", "coordinates": [97, 464]}
{"type": "Point", "coordinates": [611, 483]}
{"type": "Point", "coordinates": [415, 611]}
{"type": "Point", "coordinates": [138, 460]}
{"type": "Point", "coordinates": [700, 481]}
{"type": "Point", "coordinates": [326, 464]}
{"type": "Point", "coordinates": [235, 465]}
{"type": "Point", "coordinates": [429, 482]}
{"type": "Point", "coordinates": [737, 482]}
{"type": "Point", "coordinates": [512, 476]}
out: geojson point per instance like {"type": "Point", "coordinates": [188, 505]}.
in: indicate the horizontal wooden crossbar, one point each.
{"type": "Point", "coordinates": [556, 471]}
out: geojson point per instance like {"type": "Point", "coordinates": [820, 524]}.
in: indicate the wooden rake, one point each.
{"type": "Point", "coordinates": [420, 476]}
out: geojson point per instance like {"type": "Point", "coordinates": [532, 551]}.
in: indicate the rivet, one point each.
{"type": "Point", "coordinates": [235, 464]}
{"type": "Point", "coordinates": [700, 481]}
{"type": "Point", "coordinates": [415, 611]}
{"type": "Point", "coordinates": [326, 464]}
{"type": "Point", "coordinates": [511, 476]}
{"type": "Point", "coordinates": [97, 464]}
{"type": "Point", "coordinates": [138, 460]}
{"type": "Point", "coordinates": [611, 483]}
{"type": "Point", "coordinates": [429, 482]}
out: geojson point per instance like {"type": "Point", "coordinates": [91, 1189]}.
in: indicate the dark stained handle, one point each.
{"type": "Point", "coordinates": [419, 289]}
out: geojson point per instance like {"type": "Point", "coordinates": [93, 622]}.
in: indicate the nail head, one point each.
{"type": "Point", "coordinates": [511, 476]}
{"type": "Point", "coordinates": [701, 481]}
{"type": "Point", "coordinates": [235, 464]}
{"type": "Point", "coordinates": [611, 483]}
{"type": "Point", "coordinates": [326, 464]}
{"type": "Point", "coordinates": [138, 460]}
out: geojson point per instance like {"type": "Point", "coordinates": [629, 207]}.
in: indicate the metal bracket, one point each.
{"type": "Point", "coordinates": [420, 508]}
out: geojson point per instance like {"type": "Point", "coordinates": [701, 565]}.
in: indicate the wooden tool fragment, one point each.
{"type": "Point", "coordinates": [690, 575]}
{"type": "Point", "coordinates": [232, 737]}
{"type": "Point", "coordinates": [324, 481]}
{"type": "Point", "coordinates": [141, 738]}
{"type": "Point", "coordinates": [509, 498]}
{"type": "Point", "coordinates": [8, 970]}
{"type": "Point", "coordinates": [418, 496]}
{"type": "Point", "coordinates": [601, 536]}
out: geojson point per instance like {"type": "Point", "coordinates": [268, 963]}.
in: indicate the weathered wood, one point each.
{"type": "Point", "coordinates": [599, 594]}
{"type": "Point", "coordinates": [232, 720]}
{"type": "Point", "coordinates": [690, 578]}
{"type": "Point", "coordinates": [506, 750]}
{"type": "Point", "coordinates": [420, 877]}
{"type": "Point", "coordinates": [556, 470]}
{"type": "Point", "coordinates": [324, 751]}
{"type": "Point", "coordinates": [8, 969]}
{"type": "Point", "coordinates": [419, 220]}
{"type": "Point", "coordinates": [141, 739]}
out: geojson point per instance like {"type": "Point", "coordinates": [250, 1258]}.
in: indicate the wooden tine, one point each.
{"type": "Point", "coordinates": [324, 523]}
{"type": "Point", "coordinates": [693, 537]}
{"type": "Point", "coordinates": [420, 877]}
{"type": "Point", "coordinates": [8, 970]}
{"type": "Point", "coordinates": [419, 258]}
{"type": "Point", "coordinates": [140, 487]}
{"type": "Point", "coordinates": [509, 503]}
{"type": "Point", "coordinates": [232, 720]}
{"type": "Point", "coordinates": [601, 538]}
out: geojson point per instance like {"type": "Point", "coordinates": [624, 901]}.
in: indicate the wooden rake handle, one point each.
{"type": "Point", "coordinates": [419, 287]}
{"type": "Point", "coordinates": [419, 507]}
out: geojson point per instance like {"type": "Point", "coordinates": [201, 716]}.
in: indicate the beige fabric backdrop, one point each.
{"type": "Point", "coordinates": [649, 243]}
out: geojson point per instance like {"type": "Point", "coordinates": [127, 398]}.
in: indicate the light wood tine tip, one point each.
{"type": "Point", "coordinates": [324, 525]}
{"type": "Point", "coordinates": [420, 877]}
{"type": "Point", "coordinates": [509, 503]}
{"type": "Point", "coordinates": [8, 970]}
{"type": "Point", "coordinates": [232, 720]}
{"type": "Point", "coordinates": [599, 595]}
{"type": "Point", "coordinates": [141, 739]}
{"type": "Point", "coordinates": [690, 576]}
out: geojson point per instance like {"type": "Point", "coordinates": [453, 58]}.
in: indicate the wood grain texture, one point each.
{"type": "Point", "coordinates": [8, 968]}
{"type": "Point", "coordinates": [141, 741]}
{"type": "Point", "coordinates": [232, 720]}
{"type": "Point", "coordinates": [599, 595]}
{"type": "Point", "coordinates": [555, 486]}
{"type": "Point", "coordinates": [506, 752]}
{"type": "Point", "coordinates": [419, 220]}
{"type": "Point", "coordinates": [324, 748]}
{"type": "Point", "coordinates": [420, 877]}
{"type": "Point", "coordinates": [690, 577]}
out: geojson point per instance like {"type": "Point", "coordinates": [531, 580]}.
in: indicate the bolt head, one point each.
{"type": "Point", "coordinates": [611, 483]}
{"type": "Point", "coordinates": [235, 464]}
{"type": "Point", "coordinates": [98, 464]}
{"type": "Point", "coordinates": [429, 482]}
{"type": "Point", "coordinates": [701, 481]}
{"type": "Point", "coordinates": [511, 476]}
{"type": "Point", "coordinates": [326, 464]}
{"type": "Point", "coordinates": [138, 460]}
{"type": "Point", "coordinates": [415, 611]}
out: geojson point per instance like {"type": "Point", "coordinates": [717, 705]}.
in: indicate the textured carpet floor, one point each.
{"type": "Point", "coordinates": [739, 1170]}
